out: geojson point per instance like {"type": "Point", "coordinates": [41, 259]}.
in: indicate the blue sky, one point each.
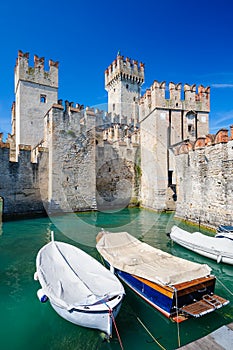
{"type": "Point", "coordinates": [180, 41]}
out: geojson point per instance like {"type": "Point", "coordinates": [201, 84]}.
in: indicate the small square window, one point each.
{"type": "Point", "coordinates": [43, 98]}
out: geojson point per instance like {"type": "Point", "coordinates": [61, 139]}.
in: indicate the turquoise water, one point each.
{"type": "Point", "coordinates": [26, 323]}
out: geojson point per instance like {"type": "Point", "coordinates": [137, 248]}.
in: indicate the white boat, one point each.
{"type": "Point", "coordinates": [217, 248]}
{"type": "Point", "coordinates": [79, 288]}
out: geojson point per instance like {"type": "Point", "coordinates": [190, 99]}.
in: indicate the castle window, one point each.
{"type": "Point", "coordinates": [43, 98]}
{"type": "Point", "coordinates": [127, 86]}
{"type": "Point", "coordinates": [113, 107]}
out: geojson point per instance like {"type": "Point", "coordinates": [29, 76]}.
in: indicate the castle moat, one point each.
{"type": "Point", "coordinates": [27, 323]}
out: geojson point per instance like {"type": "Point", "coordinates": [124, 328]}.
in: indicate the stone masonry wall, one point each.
{"type": "Point", "coordinates": [20, 183]}
{"type": "Point", "coordinates": [71, 142]}
{"type": "Point", "coordinates": [205, 180]}
{"type": "Point", "coordinates": [117, 174]}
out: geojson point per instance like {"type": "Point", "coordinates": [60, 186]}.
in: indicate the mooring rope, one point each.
{"type": "Point", "coordinates": [229, 291]}
{"type": "Point", "coordinates": [177, 322]}
{"type": "Point", "coordinates": [117, 332]}
{"type": "Point", "coordinates": [155, 340]}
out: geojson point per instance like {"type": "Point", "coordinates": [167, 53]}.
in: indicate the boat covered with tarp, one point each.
{"type": "Point", "coordinates": [79, 288]}
{"type": "Point", "coordinates": [176, 287]}
{"type": "Point", "coordinates": [219, 248]}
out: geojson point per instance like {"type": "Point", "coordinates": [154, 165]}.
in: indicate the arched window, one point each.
{"type": "Point", "coordinates": [43, 98]}
{"type": "Point", "coordinates": [191, 123]}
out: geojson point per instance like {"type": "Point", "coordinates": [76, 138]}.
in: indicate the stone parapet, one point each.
{"type": "Point", "coordinates": [37, 73]}
{"type": "Point", "coordinates": [194, 99]}
{"type": "Point", "coordinates": [205, 180]}
{"type": "Point", "coordinates": [205, 141]}
{"type": "Point", "coordinates": [124, 68]}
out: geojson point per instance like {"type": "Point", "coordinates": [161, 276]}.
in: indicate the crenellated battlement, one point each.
{"type": "Point", "coordinates": [37, 73]}
{"type": "Point", "coordinates": [220, 137]}
{"type": "Point", "coordinates": [194, 98]}
{"type": "Point", "coordinates": [126, 69]}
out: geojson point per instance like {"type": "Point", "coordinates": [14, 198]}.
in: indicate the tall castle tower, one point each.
{"type": "Point", "coordinates": [165, 122]}
{"type": "Point", "coordinates": [123, 80]}
{"type": "Point", "coordinates": [36, 90]}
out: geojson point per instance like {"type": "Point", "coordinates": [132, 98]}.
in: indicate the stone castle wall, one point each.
{"type": "Point", "coordinates": [92, 161]}
{"type": "Point", "coordinates": [85, 159]}
{"type": "Point", "coordinates": [70, 138]}
{"type": "Point", "coordinates": [23, 185]}
{"type": "Point", "coordinates": [118, 167]}
{"type": "Point", "coordinates": [205, 180]}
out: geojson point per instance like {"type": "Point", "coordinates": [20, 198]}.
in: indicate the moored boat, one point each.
{"type": "Point", "coordinates": [223, 228]}
{"type": "Point", "coordinates": [224, 231]}
{"type": "Point", "coordinates": [219, 248]}
{"type": "Point", "coordinates": [79, 288]}
{"type": "Point", "coordinates": [176, 287]}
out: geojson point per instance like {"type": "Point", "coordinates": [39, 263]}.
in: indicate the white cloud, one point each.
{"type": "Point", "coordinates": [222, 86]}
{"type": "Point", "coordinates": [221, 120]}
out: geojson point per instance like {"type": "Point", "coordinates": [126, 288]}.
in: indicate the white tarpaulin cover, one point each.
{"type": "Point", "coordinates": [128, 254]}
{"type": "Point", "coordinates": [198, 241]}
{"type": "Point", "coordinates": [70, 277]}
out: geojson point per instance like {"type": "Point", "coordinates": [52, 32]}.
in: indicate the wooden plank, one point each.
{"type": "Point", "coordinates": [207, 304]}
{"type": "Point", "coordinates": [165, 290]}
{"type": "Point", "coordinates": [198, 308]}
{"type": "Point", "coordinates": [194, 282]}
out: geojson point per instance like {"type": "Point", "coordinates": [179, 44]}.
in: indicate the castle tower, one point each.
{"type": "Point", "coordinates": [165, 122]}
{"type": "Point", "coordinates": [36, 91]}
{"type": "Point", "coordinates": [123, 80]}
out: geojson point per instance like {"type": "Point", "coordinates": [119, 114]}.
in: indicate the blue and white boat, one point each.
{"type": "Point", "coordinates": [176, 287]}
{"type": "Point", "coordinates": [224, 232]}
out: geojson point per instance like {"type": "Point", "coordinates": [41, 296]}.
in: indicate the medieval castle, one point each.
{"type": "Point", "coordinates": [152, 150]}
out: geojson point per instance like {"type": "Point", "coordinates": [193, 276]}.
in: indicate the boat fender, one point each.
{"type": "Point", "coordinates": [42, 296]}
{"type": "Point", "coordinates": [219, 258]}
{"type": "Point", "coordinates": [36, 278]}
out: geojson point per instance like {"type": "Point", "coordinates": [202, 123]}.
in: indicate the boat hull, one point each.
{"type": "Point", "coordinates": [159, 301]}
{"type": "Point", "coordinates": [176, 287]}
{"type": "Point", "coordinates": [100, 317]}
{"type": "Point", "coordinates": [218, 257]}
{"type": "Point", "coordinates": [79, 288]}
{"type": "Point", "coordinates": [169, 301]}
{"type": "Point", "coordinates": [212, 247]}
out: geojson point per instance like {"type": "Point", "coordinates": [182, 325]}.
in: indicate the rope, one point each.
{"type": "Point", "coordinates": [114, 322]}
{"type": "Point", "coordinates": [111, 315]}
{"type": "Point", "coordinates": [229, 291]}
{"type": "Point", "coordinates": [177, 314]}
{"type": "Point", "coordinates": [155, 340]}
